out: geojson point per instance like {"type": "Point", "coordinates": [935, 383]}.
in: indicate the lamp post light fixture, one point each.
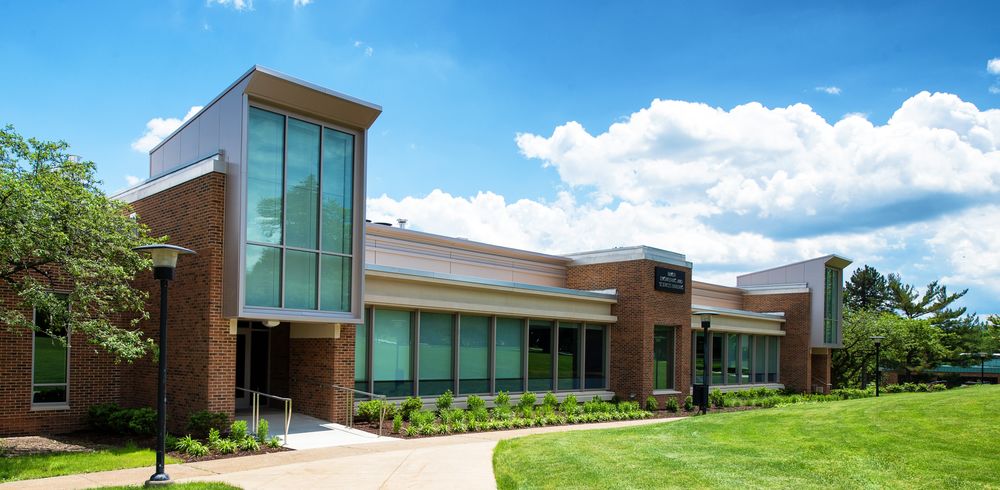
{"type": "Point", "coordinates": [701, 391]}
{"type": "Point", "coordinates": [878, 369]}
{"type": "Point", "coordinates": [982, 362]}
{"type": "Point", "coordinates": [164, 262]}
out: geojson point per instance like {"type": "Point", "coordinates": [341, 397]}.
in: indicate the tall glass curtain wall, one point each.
{"type": "Point", "coordinates": [831, 305]}
{"type": "Point", "coordinates": [747, 359]}
{"type": "Point", "coordinates": [453, 352]}
{"type": "Point", "coordinates": [300, 187]}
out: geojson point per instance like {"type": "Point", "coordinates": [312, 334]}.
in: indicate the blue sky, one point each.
{"type": "Point", "coordinates": [744, 135]}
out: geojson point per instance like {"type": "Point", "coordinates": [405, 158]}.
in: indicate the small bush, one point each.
{"type": "Point", "coordinates": [688, 403]}
{"type": "Point", "coordinates": [238, 430]}
{"type": "Point", "coordinates": [451, 415]}
{"type": "Point", "coordinates": [671, 405]}
{"type": "Point", "coordinates": [652, 404]}
{"type": "Point", "coordinates": [226, 446]}
{"type": "Point", "coordinates": [937, 387]}
{"type": "Point", "coordinates": [397, 423]}
{"type": "Point", "coordinates": [445, 400]}
{"type": "Point", "coordinates": [190, 446]}
{"type": "Point", "coordinates": [213, 437]}
{"type": "Point", "coordinates": [628, 407]}
{"type": "Point", "coordinates": [474, 403]}
{"type": "Point", "coordinates": [249, 443]}
{"type": "Point", "coordinates": [274, 442]}
{"type": "Point", "coordinates": [570, 406]}
{"type": "Point", "coordinates": [479, 414]}
{"type": "Point", "coordinates": [410, 405]}
{"type": "Point", "coordinates": [263, 431]}
{"type": "Point", "coordinates": [550, 400]}
{"type": "Point", "coordinates": [372, 410]}
{"type": "Point", "coordinates": [717, 399]}
{"type": "Point", "coordinates": [201, 421]}
{"type": "Point", "coordinates": [421, 417]}
{"type": "Point", "coordinates": [527, 401]}
{"type": "Point", "coordinates": [98, 416]}
{"type": "Point", "coordinates": [502, 399]}
{"type": "Point", "coordinates": [503, 412]}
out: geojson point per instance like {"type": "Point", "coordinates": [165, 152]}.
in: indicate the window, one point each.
{"type": "Point", "coordinates": [772, 359]}
{"type": "Point", "coordinates": [717, 345]}
{"type": "Point", "coordinates": [732, 359]}
{"type": "Point", "coordinates": [436, 340]}
{"type": "Point", "coordinates": [50, 363]}
{"type": "Point", "coordinates": [473, 354]}
{"type": "Point", "coordinates": [569, 356]}
{"type": "Point", "coordinates": [699, 357]}
{"type": "Point", "coordinates": [594, 358]}
{"type": "Point", "coordinates": [509, 349]}
{"type": "Point", "coordinates": [540, 355]}
{"type": "Point", "coordinates": [298, 219]}
{"type": "Point", "coordinates": [744, 359]}
{"type": "Point", "coordinates": [392, 362]}
{"type": "Point", "coordinates": [831, 305]}
{"type": "Point", "coordinates": [760, 360]}
{"type": "Point", "coordinates": [663, 358]}
{"type": "Point", "coordinates": [361, 357]}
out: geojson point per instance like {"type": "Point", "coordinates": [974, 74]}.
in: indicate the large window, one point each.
{"type": "Point", "coordinates": [436, 340]}
{"type": "Point", "coordinates": [509, 352]}
{"type": "Point", "coordinates": [474, 354]}
{"type": "Point", "coordinates": [594, 358]}
{"type": "Point", "coordinates": [392, 361]}
{"type": "Point", "coordinates": [744, 359]}
{"type": "Point", "coordinates": [699, 357]}
{"type": "Point", "coordinates": [732, 359]}
{"type": "Point", "coordinates": [50, 363]}
{"type": "Point", "coordinates": [736, 359]}
{"type": "Point", "coordinates": [772, 359]}
{"type": "Point", "coordinates": [298, 219]}
{"type": "Point", "coordinates": [663, 358]}
{"type": "Point", "coordinates": [361, 357]}
{"type": "Point", "coordinates": [540, 355]}
{"type": "Point", "coordinates": [831, 305]}
{"type": "Point", "coordinates": [718, 343]}
{"type": "Point", "coordinates": [569, 356]}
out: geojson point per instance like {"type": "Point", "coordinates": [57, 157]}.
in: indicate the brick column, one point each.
{"type": "Point", "coordinates": [796, 352]}
{"type": "Point", "coordinates": [314, 364]}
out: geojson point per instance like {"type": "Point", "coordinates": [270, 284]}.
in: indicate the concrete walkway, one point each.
{"type": "Point", "coordinates": [459, 461]}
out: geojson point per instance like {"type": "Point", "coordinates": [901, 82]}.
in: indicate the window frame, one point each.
{"type": "Point", "coordinates": [43, 406]}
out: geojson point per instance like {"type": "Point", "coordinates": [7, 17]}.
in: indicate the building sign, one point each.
{"type": "Point", "coordinates": [670, 280]}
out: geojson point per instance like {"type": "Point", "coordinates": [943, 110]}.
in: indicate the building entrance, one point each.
{"type": "Point", "coordinates": [253, 358]}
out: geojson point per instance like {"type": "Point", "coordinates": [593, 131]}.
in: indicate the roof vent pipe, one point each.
{"type": "Point", "coordinates": [402, 223]}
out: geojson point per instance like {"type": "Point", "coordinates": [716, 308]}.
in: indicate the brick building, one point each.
{"type": "Point", "coordinates": [293, 294]}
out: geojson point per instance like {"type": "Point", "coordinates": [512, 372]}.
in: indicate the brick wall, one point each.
{"type": "Point", "coordinates": [821, 360]}
{"type": "Point", "coordinates": [640, 307]}
{"type": "Point", "coordinates": [316, 364]}
{"type": "Point", "coordinates": [201, 351]}
{"type": "Point", "coordinates": [796, 354]}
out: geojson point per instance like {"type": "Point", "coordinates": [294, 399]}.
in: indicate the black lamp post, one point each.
{"type": "Point", "coordinates": [706, 323]}
{"type": "Point", "coordinates": [878, 369]}
{"type": "Point", "coordinates": [164, 263]}
{"type": "Point", "coordinates": [982, 363]}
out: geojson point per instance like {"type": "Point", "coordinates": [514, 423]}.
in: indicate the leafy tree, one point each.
{"type": "Point", "coordinates": [992, 340]}
{"type": "Point", "coordinates": [66, 248]}
{"type": "Point", "coordinates": [934, 303]}
{"type": "Point", "coordinates": [910, 345]}
{"type": "Point", "coordinates": [867, 290]}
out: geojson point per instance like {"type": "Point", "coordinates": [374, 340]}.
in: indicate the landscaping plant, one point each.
{"type": "Point", "coordinates": [444, 401]}
{"type": "Point", "coordinates": [651, 404]}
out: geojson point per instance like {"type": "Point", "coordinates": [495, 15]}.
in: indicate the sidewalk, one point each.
{"type": "Point", "coordinates": [458, 461]}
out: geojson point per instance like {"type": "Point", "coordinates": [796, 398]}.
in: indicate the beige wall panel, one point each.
{"type": "Point", "coordinates": [540, 279]}
{"type": "Point", "coordinates": [484, 271]}
{"type": "Point", "coordinates": [410, 261]}
{"type": "Point", "coordinates": [723, 323]}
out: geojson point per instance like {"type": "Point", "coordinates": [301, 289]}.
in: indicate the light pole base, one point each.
{"type": "Point", "coordinates": [158, 480]}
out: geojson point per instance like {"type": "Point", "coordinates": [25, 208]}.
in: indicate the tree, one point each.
{"type": "Point", "coordinates": [66, 248]}
{"type": "Point", "coordinates": [933, 304]}
{"type": "Point", "coordinates": [867, 290]}
{"type": "Point", "coordinates": [910, 345]}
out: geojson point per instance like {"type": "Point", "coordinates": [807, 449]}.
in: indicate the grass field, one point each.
{"type": "Point", "coordinates": [917, 440]}
{"type": "Point", "coordinates": [46, 465]}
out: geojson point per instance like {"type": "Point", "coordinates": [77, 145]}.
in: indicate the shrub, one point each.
{"type": "Point", "coordinates": [717, 399]}
{"type": "Point", "coordinates": [372, 410]}
{"type": "Point", "coordinates": [503, 412]}
{"type": "Point", "coordinates": [190, 446]}
{"type": "Point", "coordinates": [688, 403]}
{"type": "Point", "coordinates": [570, 406]}
{"type": "Point", "coordinates": [651, 404]}
{"type": "Point", "coordinates": [98, 416]}
{"type": "Point", "coordinates": [397, 423]}
{"type": "Point", "coordinates": [671, 405]}
{"type": "Point", "coordinates": [263, 431]}
{"type": "Point", "coordinates": [479, 414]}
{"type": "Point", "coordinates": [474, 403]}
{"type": "Point", "coordinates": [550, 400]}
{"type": "Point", "coordinates": [201, 421]}
{"type": "Point", "coordinates": [451, 415]}
{"type": "Point", "coordinates": [213, 437]}
{"type": "Point", "coordinates": [410, 405]}
{"type": "Point", "coordinates": [274, 442]}
{"type": "Point", "coordinates": [444, 401]}
{"type": "Point", "coordinates": [527, 401]}
{"type": "Point", "coordinates": [627, 407]}
{"type": "Point", "coordinates": [226, 446]}
{"type": "Point", "coordinates": [421, 417]}
{"type": "Point", "coordinates": [142, 421]}
{"type": "Point", "coordinates": [596, 405]}
{"type": "Point", "coordinates": [249, 443]}
{"type": "Point", "coordinates": [502, 399]}
{"type": "Point", "coordinates": [171, 443]}
{"type": "Point", "coordinates": [937, 387]}
{"type": "Point", "coordinates": [109, 417]}
{"type": "Point", "coordinates": [238, 430]}
{"type": "Point", "coordinates": [411, 431]}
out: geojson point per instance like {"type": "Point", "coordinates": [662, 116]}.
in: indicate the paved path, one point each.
{"type": "Point", "coordinates": [459, 461]}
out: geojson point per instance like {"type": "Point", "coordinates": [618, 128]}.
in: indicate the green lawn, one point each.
{"type": "Point", "coordinates": [915, 440]}
{"type": "Point", "coordinates": [46, 465]}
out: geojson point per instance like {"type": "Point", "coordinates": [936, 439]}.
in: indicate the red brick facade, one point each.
{"type": "Point", "coordinates": [315, 367]}
{"type": "Point", "coordinates": [795, 364]}
{"type": "Point", "coordinates": [640, 307]}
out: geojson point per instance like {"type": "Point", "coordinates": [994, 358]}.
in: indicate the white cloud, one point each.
{"type": "Point", "coordinates": [993, 66]}
{"type": "Point", "coordinates": [970, 244]}
{"type": "Point", "coordinates": [829, 90]}
{"type": "Point", "coordinates": [240, 5]}
{"type": "Point", "coordinates": [786, 162]}
{"type": "Point", "coordinates": [159, 128]}
{"type": "Point", "coordinates": [301, 3]}
{"type": "Point", "coordinates": [132, 180]}
{"type": "Point", "coordinates": [995, 89]}
{"type": "Point", "coordinates": [367, 49]}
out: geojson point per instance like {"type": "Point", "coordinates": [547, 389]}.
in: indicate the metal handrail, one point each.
{"type": "Point", "coordinates": [255, 409]}
{"type": "Point", "coordinates": [350, 402]}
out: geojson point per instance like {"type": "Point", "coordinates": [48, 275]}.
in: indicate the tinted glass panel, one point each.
{"type": "Point", "coordinates": [338, 185]}
{"type": "Point", "coordinates": [569, 351]}
{"type": "Point", "coordinates": [718, 345]}
{"type": "Point", "coordinates": [732, 359]}
{"type": "Point", "coordinates": [335, 283]}
{"type": "Point", "coordinates": [263, 276]}
{"type": "Point", "coordinates": [699, 357]}
{"type": "Point", "coordinates": [540, 356]}
{"type": "Point", "coordinates": [760, 360]}
{"type": "Point", "coordinates": [265, 169]}
{"type": "Point", "coordinates": [663, 358]}
{"type": "Point", "coordinates": [473, 356]}
{"type": "Point", "coordinates": [300, 289]}
{"type": "Point", "coordinates": [744, 359]}
{"type": "Point", "coordinates": [361, 357]}
{"type": "Point", "coordinates": [302, 181]}
{"type": "Point", "coordinates": [510, 345]}
{"type": "Point", "coordinates": [772, 359]}
{"type": "Point", "coordinates": [391, 359]}
{"type": "Point", "coordinates": [436, 340]}
{"type": "Point", "coordinates": [594, 359]}
{"type": "Point", "coordinates": [50, 363]}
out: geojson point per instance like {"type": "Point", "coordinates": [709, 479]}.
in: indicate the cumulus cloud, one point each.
{"type": "Point", "coordinates": [132, 180]}
{"type": "Point", "coordinates": [301, 3]}
{"type": "Point", "coordinates": [158, 128]}
{"type": "Point", "coordinates": [970, 243]}
{"type": "Point", "coordinates": [993, 66]}
{"type": "Point", "coordinates": [783, 162]}
{"type": "Point", "coordinates": [240, 5]}
{"type": "Point", "coordinates": [829, 90]}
